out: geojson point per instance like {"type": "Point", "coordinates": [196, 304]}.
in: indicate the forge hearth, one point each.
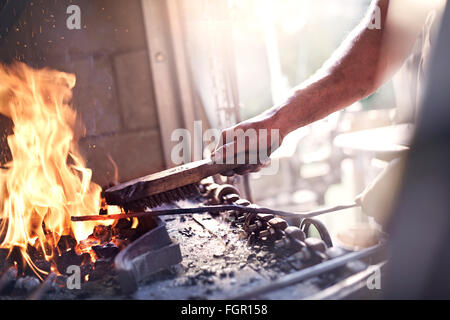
{"type": "Point", "coordinates": [130, 246]}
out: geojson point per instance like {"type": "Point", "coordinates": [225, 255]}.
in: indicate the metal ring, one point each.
{"type": "Point", "coordinates": [323, 232]}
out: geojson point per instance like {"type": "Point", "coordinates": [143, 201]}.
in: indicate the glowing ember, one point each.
{"type": "Point", "coordinates": [47, 181]}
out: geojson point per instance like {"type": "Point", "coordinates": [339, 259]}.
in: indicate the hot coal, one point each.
{"type": "Point", "coordinates": [109, 250]}
{"type": "Point", "coordinates": [15, 257]}
{"type": "Point", "coordinates": [105, 242]}
{"type": "Point", "coordinates": [129, 234]}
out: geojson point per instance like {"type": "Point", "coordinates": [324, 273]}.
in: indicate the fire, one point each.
{"type": "Point", "coordinates": [47, 180]}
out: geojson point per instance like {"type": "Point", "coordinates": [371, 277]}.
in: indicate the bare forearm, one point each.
{"type": "Point", "coordinates": [354, 71]}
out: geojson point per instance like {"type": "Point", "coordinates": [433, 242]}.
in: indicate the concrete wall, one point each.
{"type": "Point", "coordinates": [114, 91]}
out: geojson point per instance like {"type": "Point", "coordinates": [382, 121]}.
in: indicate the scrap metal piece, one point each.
{"type": "Point", "coordinates": [7, 279]}
{"type": "Point", "coordinates": [152, 252]}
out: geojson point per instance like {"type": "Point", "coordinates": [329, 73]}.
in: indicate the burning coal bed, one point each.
{"type": "Point", "coordinates": [92, 258]}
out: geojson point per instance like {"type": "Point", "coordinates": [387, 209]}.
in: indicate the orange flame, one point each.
{"type": "Point", "coordinates": [47, 180]}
